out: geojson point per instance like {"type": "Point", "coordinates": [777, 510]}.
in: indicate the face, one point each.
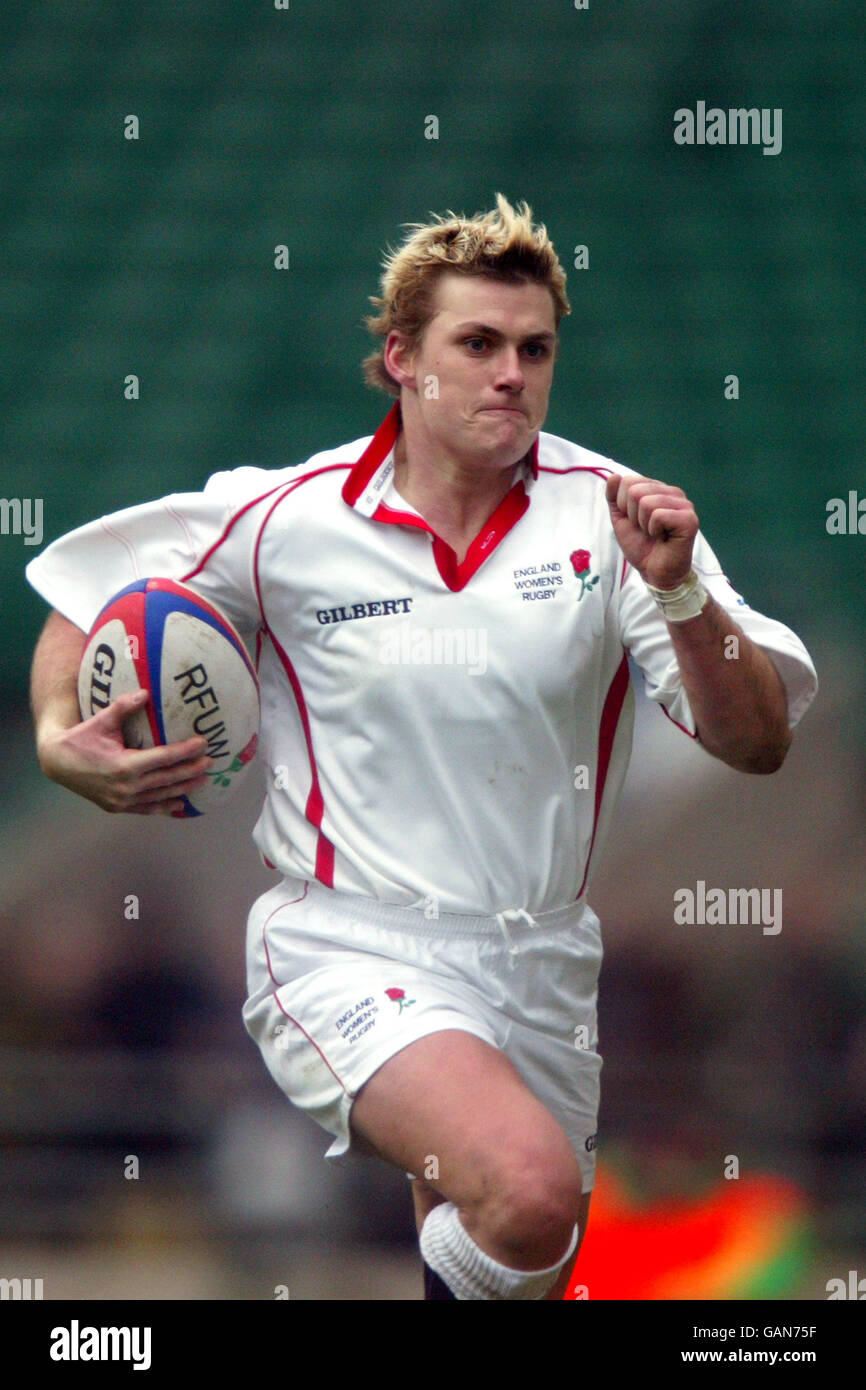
{"type": "Point", "coordinates": [479, 380]}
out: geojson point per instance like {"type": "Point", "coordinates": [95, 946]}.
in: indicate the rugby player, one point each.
{"type": "Point", "coordinates": [445, 611]}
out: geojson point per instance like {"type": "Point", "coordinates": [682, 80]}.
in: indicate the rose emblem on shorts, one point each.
{"type": "Point", "coordinates": [398, 996]}
{"type": "Point", "coordinates": [581, 563]}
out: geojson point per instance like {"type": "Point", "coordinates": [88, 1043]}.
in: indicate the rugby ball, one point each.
{"type": "Point", "coordinates": [163, 637]}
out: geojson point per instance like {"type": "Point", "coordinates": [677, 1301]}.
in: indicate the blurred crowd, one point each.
{"type": "Point", "coordinates": [122, 980]}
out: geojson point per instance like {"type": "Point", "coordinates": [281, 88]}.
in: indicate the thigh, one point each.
{"type": "Point", "coordinates": [453, 1109]}
{"type": "Point", "coordinates": [566, 1079]}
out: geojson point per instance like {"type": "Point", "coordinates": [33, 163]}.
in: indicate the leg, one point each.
{"type": "Point", "coordinates": [425, 1198]}
{"type": "Point", "coordinates": [557, 1293]}
{"type": "Point", "coordinates": [503, 1161]}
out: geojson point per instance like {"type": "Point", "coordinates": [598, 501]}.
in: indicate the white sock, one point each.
{"type": "Point", "coordinates": [451, 1252]}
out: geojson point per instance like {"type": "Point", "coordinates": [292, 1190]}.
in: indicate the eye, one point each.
{"type": "Point", "coordinates": [537, 351]}
{"type": "Point", "coordinates": [476, 344]}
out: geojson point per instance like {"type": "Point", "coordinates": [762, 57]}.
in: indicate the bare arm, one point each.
{"type": "Point", "coordinates": [734, 690]}
{"type": "Point", "coordinates": [89, 757]}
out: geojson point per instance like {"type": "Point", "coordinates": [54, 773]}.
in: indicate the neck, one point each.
{"type": "Point", "coordinates": [454, 497]}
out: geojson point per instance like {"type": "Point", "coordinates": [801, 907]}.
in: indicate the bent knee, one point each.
{"type": "Point", "coordinates": [531, 1205]}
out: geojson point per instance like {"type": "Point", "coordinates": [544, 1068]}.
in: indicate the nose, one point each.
{"type": "Point", "coordinates": [509, 372]}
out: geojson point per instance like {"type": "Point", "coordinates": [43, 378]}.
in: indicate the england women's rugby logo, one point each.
{"type": "Point", "coordinates": [580, 563]}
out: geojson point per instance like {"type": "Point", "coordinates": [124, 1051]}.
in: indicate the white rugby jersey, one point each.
{"type": "Point", "coordinates": [436, 733]}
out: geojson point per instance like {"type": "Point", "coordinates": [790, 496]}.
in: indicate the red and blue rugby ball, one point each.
{"type": "Point", "coordinates": [163, 637]}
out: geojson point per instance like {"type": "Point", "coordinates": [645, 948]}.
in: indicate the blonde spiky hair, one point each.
{"type": "Point", "coordinates": [504, 245]}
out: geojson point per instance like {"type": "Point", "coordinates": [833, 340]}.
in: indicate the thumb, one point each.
{"type": "Point", "coordinates": [610, 491]}
{"type": "Point", "coordinates": [120, 709]}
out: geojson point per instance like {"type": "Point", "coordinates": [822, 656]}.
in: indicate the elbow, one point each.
{"type": "Point", "coordinates": [760, 756]}
{"type": "Point", "coordinates": [768, 763]}
{"type": "Point", "coordinates": [768, 756]}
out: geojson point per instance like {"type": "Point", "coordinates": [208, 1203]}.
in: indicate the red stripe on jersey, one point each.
{"type": "Point", "coordinates": [315, 803]}
{"type": "Point", "coordinates": [290, 483]}
{"type": "Point", "coordinates": [697, 737]}
{"type": "Point", "coordinates": [600, 473]}
{"type": "Point", "coordinates": [607, 731]}
{"type": "Point", "coordinates": [315, 807]}
{"type": "Point", "coordinates": [578, 468]}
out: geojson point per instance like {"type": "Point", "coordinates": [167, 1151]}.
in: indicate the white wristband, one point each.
{"type": "Point", "coordinates": [684, 602]}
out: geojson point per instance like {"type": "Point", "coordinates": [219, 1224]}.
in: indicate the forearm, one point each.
{"type": "Point", "coordinates": [734, 690]}
{"type": "Point", "coordinates": [54, 678]}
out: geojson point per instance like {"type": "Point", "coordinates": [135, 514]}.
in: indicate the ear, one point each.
{"type": "Point", "coordinates": [399, 358]}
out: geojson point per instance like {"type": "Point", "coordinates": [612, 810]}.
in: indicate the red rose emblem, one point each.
{"type": "Point", "coordinates": [398, 996]}
{"type": "Point", "coordinates": [580, 563]}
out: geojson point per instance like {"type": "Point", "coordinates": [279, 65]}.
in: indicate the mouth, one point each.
{"type": "Point", "coordinates": [502, 410]}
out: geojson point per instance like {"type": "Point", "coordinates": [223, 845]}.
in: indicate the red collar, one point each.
{"type": "Point", "coordinates": [366, 484]}
{"type": "Point", "coordinates": [380, 446]}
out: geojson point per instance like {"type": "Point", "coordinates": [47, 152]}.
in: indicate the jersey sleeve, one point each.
{"type": "Point", "coordinates": [204, 538]}
{"type": "Point", "coordinates": [645, 636]}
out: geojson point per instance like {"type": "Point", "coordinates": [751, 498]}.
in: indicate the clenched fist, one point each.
{"type": "Point", "coordinates": [655, 525]}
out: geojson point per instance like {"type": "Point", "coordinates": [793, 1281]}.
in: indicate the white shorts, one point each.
{"type": "Point", "coordinates": [339, 983]}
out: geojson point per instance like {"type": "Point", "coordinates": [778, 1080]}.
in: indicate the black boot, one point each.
{"type": "Point", "coordinates": [434, 1287]}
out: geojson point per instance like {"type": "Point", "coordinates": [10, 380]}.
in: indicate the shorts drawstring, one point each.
{"type": "Point", "coordinates": [513, 914]}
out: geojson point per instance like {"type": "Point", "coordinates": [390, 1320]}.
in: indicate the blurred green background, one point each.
{"type": "Point", "coordinates": [305, 127]}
